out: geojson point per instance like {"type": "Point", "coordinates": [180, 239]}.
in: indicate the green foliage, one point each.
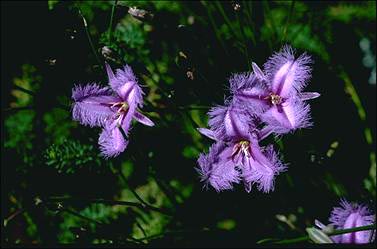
{"type": "Point", "coordinates": [52, 3]}
{"type": "Point", "coordinates": [69, 156]}
{"type": "Point", "coordinates": [19, 130]}
{"type": "Point", "coordinates": [346, 12]}
{"type": "Point", "coordinates": [256, 24]}
{"type": "Point", "coordinates": [90, 7]}
{"type": "Point", "coordinates": [129, 39]}
{"type": "Point", "coordinates": [58, 125]}
{"type": "Point", "coordinates": [152, 222]}
{"type": "Point", "coordinates": [30, 81]}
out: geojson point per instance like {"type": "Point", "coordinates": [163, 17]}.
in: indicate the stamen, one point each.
{"type": "Point", "coordinates": [243, 147]}
{"type": "Point", "coordinates": [275, 99]}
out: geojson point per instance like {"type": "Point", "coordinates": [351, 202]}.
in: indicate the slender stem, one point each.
{"type": "Point", "coordinates": [81, 216]}
{"type": "Point", "coordinates": [267, 14]}
{"type": "Point", "coordinates": [24, 90]}
{"type": "Point", "coordinates": [288, 21]}
{"type": "Point", "coordinates": [244, 41]}
{"type": "Point", "coordinates": [141, 228]}
{"type": "Point", "coordinates": [142, 202]}
{"type": "Point", "coordinates": [337, 232]}
{"type": "Point", "coordinates": [12, 216]}
{"type": "Point", "coordinates": [372, 234]}
{"type": "Point", "coordinates": [193, 107]}
{"type": "Point", "coordinates": [111, 20]}
{"type": "Point", "coordinates": [355, 229]}
{"type": "Point", "coordinates": [213, 23]}
{"type": "Point", "coordinates": [248, 10]}
{"type": "Point", "coordinates": [227, 20]}
{"type": "Point", "coordinates": [89, 37]}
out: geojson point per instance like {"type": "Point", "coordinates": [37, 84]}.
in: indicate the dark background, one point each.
{"type": "Point", "coordinates": [162, 160]}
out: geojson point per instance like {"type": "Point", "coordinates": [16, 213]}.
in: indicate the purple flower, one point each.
{"type": "Point", "coordinates": [276, 93]}
{"type": "Point", "coordinates": [350, 215]}
{"type": "Point", "coordinates": [236, 154]}
{"type": "Point", "coordinates": [112, 108]}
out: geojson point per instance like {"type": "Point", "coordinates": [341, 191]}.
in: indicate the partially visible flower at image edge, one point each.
{"type": "Point", "coordinates": [112, 108]}
{"type": "Point", "coordinates": [351, 215]}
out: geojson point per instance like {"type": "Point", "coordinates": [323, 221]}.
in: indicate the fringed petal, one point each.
{"type": "Point", "coordinates": [92, 104]}
{"type": "Point", "coordinates": [351, 215]}
{"type": "Point", "coordinates": [286, 74]}
{"type": "Point", "coordinates": [261, 169]}
{"type": "Point", "coordinates": [112, 142]}
{"type": "Point", "coordinates": [216, 168]}
{"type": "Point", "coordinates": [288, 116]}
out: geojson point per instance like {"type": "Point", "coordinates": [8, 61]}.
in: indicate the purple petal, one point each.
{"type": "Point", "coordinates": [128, 87]}
{"type": "Point", "coordinates": [126, 120]}
{"type": "Point", "coordinates": [131, 93]}
{"type": "Point", "coordinates": [241, 81]}
{"type": "Point", "coordinates": [308, 95]}
{"type": "Point", "coordinates": [351, 215]}
{"type": "Point", "coordinates": [290, 115]}
{"type": "Point", "coordinates": [216, 168]}
{"type": "Point", "coordinates": [258, 72]}
{"type": "Point", "coordinates": [112, 142]}
{"type": "Point", "coordinates": [228, 122]}
{"type": "Point", "coordinates": [143, 119]}
{"type": "Point", "coordinates": [207, 132]}
{"type": "Point", "coordinates": [287, 74]}
{"type": "Point", "coordinates": [92, 104]}
{"type": "Point", "coordinates": [254, 99]}
{"type": "Point", "coordinates": [264, 132]}
{"type": "Point", "coordinates": [110, 73]}
{"type": "Point", "coordinates": [249, 92]}
{"type": "Point", "coordinates": [261, 168]}
{"type": "Point", "coordinates": [125, 84]}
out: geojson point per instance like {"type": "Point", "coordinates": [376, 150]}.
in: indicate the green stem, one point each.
{"type": "Point", "coordinates": [244, 41]}
{"type": "Point", "coordinates": [24, 90]}
{"type": "Point", "coordinates": [355, 229]}
{"type": "Point", "coordinates": [111, 20]}
{"type": "Point", "coordinates": [288, 21]}
{"type": "Point", "coordinates": [228, 22]}
{"type": "Point", "coordinates": [337, 232]}
{"type": "Point", "coordinates": [89, 37]}
{"type": "Point", "coordinates": [213, 23]}
{"type": "Point", "coordinates": [142, 202]}
{"type": "Point", "coordinates": [248, 11]}
{"type": "Point", "coordinates": [81, 216]}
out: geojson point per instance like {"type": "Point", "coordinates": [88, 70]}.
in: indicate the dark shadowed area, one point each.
{"type": "Point", "coordinates": [56, 188]}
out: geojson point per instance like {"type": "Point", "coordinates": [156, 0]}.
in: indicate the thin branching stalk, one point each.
{"type": "Point", "coordinates": [89, 37]}
{"type": "Point", "coordinates": [111, 20]}
{"type": "Point", "coordinates": [288, 21]}
{"type": "Point", "coordinates": [337, 232]}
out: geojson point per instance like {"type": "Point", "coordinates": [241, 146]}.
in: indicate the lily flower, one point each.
{"type": "Point", "coordinates": [276, 93]}
{"type": "Point", "coordinates": [236, 154]}
{"type": "Point", "coordinates": [112, 108]}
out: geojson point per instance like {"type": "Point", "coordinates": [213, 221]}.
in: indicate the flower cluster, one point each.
{"type": "Point", "coordinates": [262, 102]}
{"type": "Point", "coordinates": [112, 108]}
{"type": "Point", "coordinates": [351, 215]}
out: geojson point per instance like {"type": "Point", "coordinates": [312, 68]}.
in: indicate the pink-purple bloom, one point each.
{"type": "Point", "coordinates": [275, 93]}
{"type": "Point", "coordinates": [351, 215]}
{"type": "Point", "coordinates": [262, 102]}
{"type": "Point", "coordinates": [112, 108]}
{"type": "Point", "coordinates": [236, 155]}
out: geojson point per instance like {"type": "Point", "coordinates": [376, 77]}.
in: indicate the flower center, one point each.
{"type": "Point", "coordinates": [275, 99]}
{"type": "Point", "coordinates": [242, 147]}
{"type": "Point", "coordinates": [122, 107]}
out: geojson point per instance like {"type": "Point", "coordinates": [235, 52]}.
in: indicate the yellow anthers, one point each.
{"type": "Point", "coordinates": [245, 147]}
{"type": "Point", "coordinates": [275, 99]}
